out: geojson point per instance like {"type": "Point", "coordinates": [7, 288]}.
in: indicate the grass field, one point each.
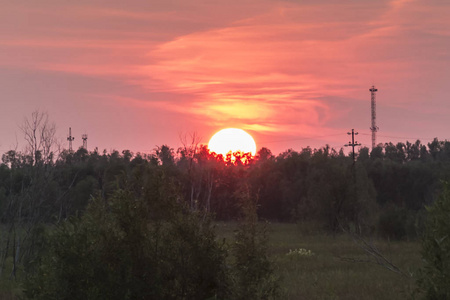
{"type": "Point", "coordinates": [322, 269]}
{"type": "Point", "coordinates": [325, 272]}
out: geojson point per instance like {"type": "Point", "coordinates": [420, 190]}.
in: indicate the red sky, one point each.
{"type": "Point", "coordinates": [136, 74]}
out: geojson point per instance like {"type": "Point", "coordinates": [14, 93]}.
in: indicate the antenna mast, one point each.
{"type": "Point", "coordinates": [70, 138]}
{"type": "Point", "coordinates": [374, 127]}
{"type": "Point", "coordinates": [84, 138]}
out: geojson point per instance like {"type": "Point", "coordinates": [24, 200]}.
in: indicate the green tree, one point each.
{"type": "Point", "coordinates": [253, 274]}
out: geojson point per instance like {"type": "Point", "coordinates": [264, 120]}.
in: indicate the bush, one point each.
{"type": "Point", "coordinates": [392, 223]}
{"type": "Point", "coordinates": [400, 223]}
{"type": "Point", "coordinates": [115, 251]}
{"type": "Point", "coordinates": [434, 276]}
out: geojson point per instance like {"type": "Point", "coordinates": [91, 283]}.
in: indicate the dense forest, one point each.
{"type": "Point", "coordinates": [384, 192]}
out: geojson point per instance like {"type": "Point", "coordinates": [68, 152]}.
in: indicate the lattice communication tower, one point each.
{"type": "Point", "coordinates": [374, 127]}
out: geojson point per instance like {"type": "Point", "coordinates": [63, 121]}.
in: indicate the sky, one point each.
{"type": "Point", "coordinates": [139, 74]}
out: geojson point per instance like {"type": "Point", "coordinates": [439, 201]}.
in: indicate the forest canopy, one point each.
{"type": "Point", "coordinates": [385, 190]}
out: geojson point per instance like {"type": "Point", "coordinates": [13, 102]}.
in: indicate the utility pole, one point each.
{"type": "Point", "coordinates": [84, 138]}
{"type": "Point", "coordinates": [353, 143]}
{"type": "Point", "coordinates": [70, 138]}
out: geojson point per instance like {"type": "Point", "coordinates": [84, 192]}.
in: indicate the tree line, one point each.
{"type": "Point", "coordinates": [385, 190]}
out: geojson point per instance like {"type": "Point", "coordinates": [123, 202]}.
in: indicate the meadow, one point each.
{"type": "Point", "coordinates": [311, 264]}
{"type": "Point", "coordinates": [316, 265]}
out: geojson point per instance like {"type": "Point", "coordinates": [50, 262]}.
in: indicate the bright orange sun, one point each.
{"type": "Point", "coordinates": [232, 139]}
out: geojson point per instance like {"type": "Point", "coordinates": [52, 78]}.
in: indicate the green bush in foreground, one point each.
{"type": "Point", "coordinates": [434, 279]}
{"type": "Point", "coordinates": [116, 251]}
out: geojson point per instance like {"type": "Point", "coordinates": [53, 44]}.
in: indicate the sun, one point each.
{"type": "Point", "coordinates": [232, 139]}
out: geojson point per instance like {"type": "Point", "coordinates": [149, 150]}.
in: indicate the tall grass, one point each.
{"type": "Point", "coordinates": [314, 265]}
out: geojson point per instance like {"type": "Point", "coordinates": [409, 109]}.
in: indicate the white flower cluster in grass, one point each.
{"type": "Point", "coordinates": [299, 252]}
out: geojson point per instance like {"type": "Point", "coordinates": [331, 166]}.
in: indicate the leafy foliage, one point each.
{"type": "Point", "coordinates": [435, 275]}
{"type": "Point", "coordinates": [253, 274]}
{"type": "Point", "coordinates": [116, 251]}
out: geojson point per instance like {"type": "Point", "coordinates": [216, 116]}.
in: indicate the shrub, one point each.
{"type": "Point", "coordinates": [116, 251]}
{"type": "Point", "coordinates": [392, 223]}
{"type": "Point", "coordinates": [434, 276]}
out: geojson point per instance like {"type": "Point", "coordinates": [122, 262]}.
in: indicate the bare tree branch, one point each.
{"type": "Point", "coordinates": [40, 136]}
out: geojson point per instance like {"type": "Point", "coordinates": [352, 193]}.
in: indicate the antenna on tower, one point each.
{"type": "Point", "coordinates": [84, 138]}
{"type": "Point", "coordinates": [374, 127]}
{"type": "Point", "coordinates": [70, 138]}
